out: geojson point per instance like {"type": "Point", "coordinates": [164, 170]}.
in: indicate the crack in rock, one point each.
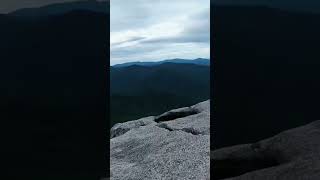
{"type": "Point", "coordinates": [187, 130]}
{"type": "Point", "coordinates": [192, 131]}
{"type": "Point", "coordinates": [175, 114]}
{"type": "Point", "coordinates": [165, 126]}
{"type": "Point", "coordinates": [172, 149]}
{"type": "Point", "coordinates": [292, 154]}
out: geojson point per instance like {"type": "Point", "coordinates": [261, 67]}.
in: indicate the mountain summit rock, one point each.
{"type": "Point", "coordinates": [174, 145]}
{"type": "Point", "coordinates": [292, 154]}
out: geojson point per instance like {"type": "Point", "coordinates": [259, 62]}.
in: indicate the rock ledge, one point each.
{"type": "Point", "coordinates": [292, 154]}
{"type": "Point", "coordinates": [174, 145]}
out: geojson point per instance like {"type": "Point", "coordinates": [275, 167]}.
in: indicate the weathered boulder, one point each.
{"type": "Point", "coordinates": [174, 145]}
{"type": "Point", "coordinates": [293, 154]}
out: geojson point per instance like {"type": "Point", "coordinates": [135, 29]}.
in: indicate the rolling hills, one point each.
{"type": "Point", "coordinates": [199, 61]}
{"type": "Point", "coordinates": [138, 91]}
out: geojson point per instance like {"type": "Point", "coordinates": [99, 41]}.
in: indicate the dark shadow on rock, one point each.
{"type": "Point", "coordinates": [292, 154]}
{"type": "Point", "coordinates": [235, 167]}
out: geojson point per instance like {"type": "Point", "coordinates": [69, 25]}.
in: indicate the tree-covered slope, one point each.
{"type": "Point", "coordinates": [138, 91]}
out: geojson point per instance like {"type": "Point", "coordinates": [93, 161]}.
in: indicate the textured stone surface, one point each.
{"type": "Point", "coordinates": [121, 128]}
{"type": "Point", "coordinates": [293, 154]}
{"type": "Point", "coordinates": [177, 148]}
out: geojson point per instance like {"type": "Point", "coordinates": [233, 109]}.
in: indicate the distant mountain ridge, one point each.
{"type": "Point", "coordinates": [198, 61]}
{"type": "Point", "coordinates": [140, 91]}
{"type": "Point", "coordinates": [62, 8]}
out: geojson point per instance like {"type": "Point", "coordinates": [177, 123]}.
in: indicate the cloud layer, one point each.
{"type": "Point", "coordinates": [144, 30]}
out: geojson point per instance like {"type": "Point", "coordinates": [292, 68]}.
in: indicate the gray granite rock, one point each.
{"type": "Point", "coordinates": [177, 148]}
{"type": "Point", "coordinates": [121, 128]}
{"type": "Point", "coordinates": [290, 155]}
{"type": "Point", "coordinates": [195, 123]}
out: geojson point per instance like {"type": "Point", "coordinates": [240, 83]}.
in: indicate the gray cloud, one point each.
{"type": "Point", "coordinates": [132, 39]}
{"type": "Point", "coordinates": [196, 31]}
{"type": "Point", "coordinates": [147, 30]}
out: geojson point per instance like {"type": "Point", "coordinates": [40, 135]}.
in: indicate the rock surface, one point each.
{"type": "Point", "coordinates": [293, 154]}
{"type": "Point", "coordinates": [174, 145]}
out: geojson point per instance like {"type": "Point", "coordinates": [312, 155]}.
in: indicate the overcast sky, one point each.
{"type": "Point", "coordinates": [152, 30]}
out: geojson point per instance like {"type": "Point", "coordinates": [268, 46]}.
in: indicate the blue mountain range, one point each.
{"type": "Point", "coordinates": [199, 61]}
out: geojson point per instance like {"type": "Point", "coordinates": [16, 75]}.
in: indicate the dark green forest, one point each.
{"type": "Point", "coordinates": [140, 91]}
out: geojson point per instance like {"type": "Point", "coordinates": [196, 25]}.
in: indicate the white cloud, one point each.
{"type": "Point", "coordinates": [148, 30]}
